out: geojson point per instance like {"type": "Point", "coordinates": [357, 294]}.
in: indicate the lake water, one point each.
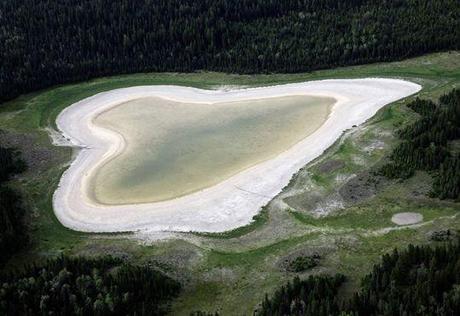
{"type": "Point", "coordinates": [173, 148]}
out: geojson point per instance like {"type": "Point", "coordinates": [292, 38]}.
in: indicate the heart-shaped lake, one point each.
{"type": "Point", "coordinates": [173, 148]}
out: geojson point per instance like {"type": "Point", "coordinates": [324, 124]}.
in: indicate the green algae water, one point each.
{"type": "Point", "coordinates": [174, 148]}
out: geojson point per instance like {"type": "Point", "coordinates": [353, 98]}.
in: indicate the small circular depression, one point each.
{"type": "Point", "coordinates": [407, 218]}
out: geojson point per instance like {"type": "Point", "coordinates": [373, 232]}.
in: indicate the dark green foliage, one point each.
{"type": "Point", "coordinates": [425, 145]}
{"type": "Point", "coordinates": [10, 164]}
{"type": "Point", "coordinates": [420, 280]}
{"type": "Point", "coordinates": [313, 296]}
{"type": "Point", "coordinates": [79, 286]}
{"type": "Point", "coordinates": [44, 43]}
{"type": "Point", "coordinates": [417, 281]}
{"type": "Point", "coordinates": [441, 235]}
{"type": "Point", "coordinates": [200, 313]}
{"type": "Point", "coordinates": [66, 286]}
{"type": "Point", "coordinates": [303, 263]}
{"type": "Point", "coordinates": [13, 234]}
{"type": "Point", "coordinates": [447, 183]}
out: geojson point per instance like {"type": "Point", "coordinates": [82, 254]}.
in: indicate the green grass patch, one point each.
{"type": "Point", "coordinates": [252, 257]}
{"type": "Point", "coordinates": [303, 263]}
{"type": "Point", "coordinates": [374, 216]}
{"type": "Point", "coordinates": [258, 221]}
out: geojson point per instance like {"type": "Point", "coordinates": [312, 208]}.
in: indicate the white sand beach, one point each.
{"type": "Point", "coordinates": [227, 204]}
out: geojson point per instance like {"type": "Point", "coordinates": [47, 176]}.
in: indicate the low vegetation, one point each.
{"type": "Point", "coordinates": [303, 263]}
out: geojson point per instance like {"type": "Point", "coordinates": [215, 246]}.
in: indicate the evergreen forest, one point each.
{"type": "Point", "coordinates": [83, 286]}
{"type": "Point", "coordinates": [420, 280]}
{"type": "Point", "coordinates": [45, 43]}
{"type": "Point", "coordinates": [431, 144]}
{"type": "Point", "coordinates": [13, 232]}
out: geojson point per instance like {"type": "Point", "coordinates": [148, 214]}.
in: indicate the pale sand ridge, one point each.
{"type": "Point", "coordinates": [230, 203]}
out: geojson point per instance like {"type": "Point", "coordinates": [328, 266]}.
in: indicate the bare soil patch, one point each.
{"type": "Point", "coordinates": [407, 218]}
{"type": "Point", "coordinates": [362, 187]}
{"type": "Point", "coordinates": [331, 166]}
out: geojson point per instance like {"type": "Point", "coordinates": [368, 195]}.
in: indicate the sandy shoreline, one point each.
{"type": "Point", "coordinates": [229, 204]}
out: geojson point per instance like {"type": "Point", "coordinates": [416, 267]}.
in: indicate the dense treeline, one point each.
{"type": "Point", "coordinates": [418, 281]}
{"type": "Point", "coordinates": [10, 164]}
{"type": "Point", "coordinates": [78, 286]}
{"type": "Point", "coordinates": [13, 234]}
{"type": "Point", "coordinates": [44, 43]}
{"type": "Point", "coordinates": [428, 144]}
{"type": "Point", "coordinates": [316, 295]}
